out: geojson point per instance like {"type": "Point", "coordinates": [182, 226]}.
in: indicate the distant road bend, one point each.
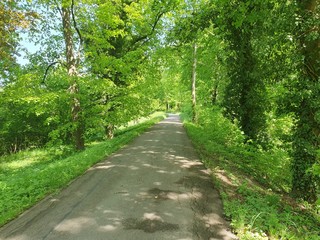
{"type": "Point", "coordinates": [155, 188]}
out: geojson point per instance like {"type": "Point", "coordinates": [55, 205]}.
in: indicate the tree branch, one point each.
{"type": "Point", "coordinates": [47, 70]}
{"type": "Point", "coordinates": [144, 37]}
{"type": "Point", "coordinates": [58, 8]}
{"type": "Point", "coordinates": [77, 30]}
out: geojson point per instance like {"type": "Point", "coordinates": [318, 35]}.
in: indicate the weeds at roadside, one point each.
{"type": "Point", "coordinates": [254, 184]}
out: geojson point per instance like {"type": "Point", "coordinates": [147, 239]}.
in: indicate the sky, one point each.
{"type": "Point", "coordinates": [29, 46]}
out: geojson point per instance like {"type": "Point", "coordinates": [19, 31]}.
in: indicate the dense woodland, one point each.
{"type": "Point", "coordinates": [245, 71]}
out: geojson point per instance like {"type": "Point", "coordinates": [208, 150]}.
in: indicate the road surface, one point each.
{"type": "Point", "coordinates": [154, 188]}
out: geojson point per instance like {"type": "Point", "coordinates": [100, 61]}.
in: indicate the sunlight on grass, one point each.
{"type": "Point", "coordinates": [18, 164]}
{"type": "Point", "coordinates": [29, 176]}
{"type": "Point", "coordinates": [24, 159]}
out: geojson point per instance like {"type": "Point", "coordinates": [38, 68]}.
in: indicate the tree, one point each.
{"type": "Point", "coordinates": [306, 141]}
{"type": "Point", "coordinates": [13, 17]}
{"type": "Point", "coordinates": [245, 94]}
{"type": "Point", "coordinates": [117, 43]}
{"type": "Point", "coordinates": [72, 61]}
{"type": "Point", "coordinates": [185, 35]}
{"type": "Point", "coordinates": [193, 80]}
{"type": "Point", "coordinates": [64, 31]}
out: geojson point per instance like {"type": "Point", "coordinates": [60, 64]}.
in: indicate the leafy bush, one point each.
{"type": "Point", "coordinates": [216, 134]}
{"type": "Point", "coordinates": [263, 216]}
{"type": "Point", "coordinates": [222, 131]}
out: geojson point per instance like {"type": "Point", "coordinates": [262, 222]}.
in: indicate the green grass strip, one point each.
{"type": "Point", "coordinates": [29, 176]}
{"type": "Point", "coordinates": [256, 207]}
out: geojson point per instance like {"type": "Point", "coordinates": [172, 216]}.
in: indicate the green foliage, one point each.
{"type": "Point", "coordinates": [263, 216]}
{"type": "Point", "coordinates": [24, 109]}
{"type": "Point", "coordinates": [14, 18]}
{"type": "Point", "coordinates": [223, 131]}
{"type": "Point", "coordinates": [245, 97]}
{"type": "Point", "coordinates": [173, 88]}
{"type": "Point", "coordinates": [305, 184]}
{"type": "Point", "coordinates": [254, 183]}
{"type": "Point", "coordinates": [303, 97]}
{"type": "Point", "coordinates": [217, 135]}
{"type": "Point", "coordinates": [119, 55]}
{"type": "Point", "coordinates": [116, 87]}
{"type": "Point", "coordinates": [257, 60]}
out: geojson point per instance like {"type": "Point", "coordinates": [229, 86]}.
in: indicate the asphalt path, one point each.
{"type": "Point", "coordinates": [154, 188]}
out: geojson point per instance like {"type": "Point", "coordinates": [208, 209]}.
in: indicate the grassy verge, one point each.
{"type": "Point", "coordinates": [254, 184]}
{"type": "Point", "coordinates": [29, 176]}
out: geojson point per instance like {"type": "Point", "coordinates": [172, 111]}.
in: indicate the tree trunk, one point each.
{"type": "Point", "coordinates": [167, 106]}
{"type": "Point", "coordinates": [193, 87]}
{"type": "Point", "coordinates": [214, 94]}
{"type": "Point", "coordinates": [245, 95]}
{"type": "Point", "coordinates": [78, 130]}
{"type": "Point", "coordinates": [109, 131]}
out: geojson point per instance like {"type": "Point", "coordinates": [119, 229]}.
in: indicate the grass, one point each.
{"type": "Point", "coordinates": [254, 184]}
{"type": "Point", "coordinates": [29, 176]}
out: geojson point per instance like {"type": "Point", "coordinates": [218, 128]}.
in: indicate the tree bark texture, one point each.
{"type": "Point", "coordinates": [77, 121]}
{"type": "Point", "coordinates": [109, 130]}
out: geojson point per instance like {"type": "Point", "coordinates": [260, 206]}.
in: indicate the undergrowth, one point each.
{"type": "Point", "coordinates": [254, 183]}
{"type": "Point", "coordinates": [29, 176]}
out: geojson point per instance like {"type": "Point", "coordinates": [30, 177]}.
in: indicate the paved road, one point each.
{"type": "Point", "coordinates": [154, 188]}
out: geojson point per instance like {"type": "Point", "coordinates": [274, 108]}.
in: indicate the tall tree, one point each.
{"type": "Point", "coordinates": [117, 43]}
{"type": "Point", "coordinates": [68, 20]}
{"type": "Point", "coordinates": [59, 32]}
{"type": "Point", "coordinates": [193, 82]}
{"type": "Point", "coordinates": [245, 95]}
{"type": "Point", "coordinates": [306, 141]}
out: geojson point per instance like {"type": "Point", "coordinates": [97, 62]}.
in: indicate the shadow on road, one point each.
{"type": "Point", "coordinates": [154, 188]}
